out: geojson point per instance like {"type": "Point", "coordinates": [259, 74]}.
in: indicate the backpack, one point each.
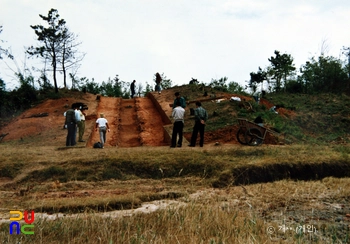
{"type": "Point", "coordinates": [98, 145]}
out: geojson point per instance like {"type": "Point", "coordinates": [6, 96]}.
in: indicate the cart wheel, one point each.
{"type": "Point", "coordinates": [253, 137]}
{"type": "Point", "coordinates": [241, 135]}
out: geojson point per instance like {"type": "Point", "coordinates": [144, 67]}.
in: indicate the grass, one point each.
{"type": "Point", "coordinates": [231, 215]}
{"type": "Point", "coordinates": [322, 117]}
{"type": "Point", "coordinates": [10, 170]}
{"type": "Point", "coordinates": [219, 194]}
{"type": "Point", "coordinates": [87, 189]}
{"type": "Point", "coordinates": [316, 119]}
{"type": "Point", "coordinates": [49, 164]}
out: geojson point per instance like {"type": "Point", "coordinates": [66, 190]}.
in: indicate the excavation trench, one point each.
{"type": "Point", "coordinates": [253, 174]}
{"type": "Point", "coordinates": [133, 122]}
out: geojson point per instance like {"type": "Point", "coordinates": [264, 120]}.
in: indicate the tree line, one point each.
{"type": "Point", "coordinates": [322, 74]}
{"type": "Point", "coordinates": [58, 49]}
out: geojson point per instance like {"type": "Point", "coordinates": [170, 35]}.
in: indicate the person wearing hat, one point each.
{"type": "Point", "coordinates": [102, 126]}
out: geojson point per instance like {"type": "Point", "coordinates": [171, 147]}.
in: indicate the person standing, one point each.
{"type": "Point", "coordinates": [180, 99]}
{"type": "Point", "coordinates": [200, 116]}
{"type": "Point", "coordinates": [158, 81]}
{"type": "Point", "coordinates": [273, 109]}
{"type": "Point", "coordinates": [256, 97]}
{"type": "Point", "coordinates": [71, 126]}
{"type": "Point", "coordinates": [102, 126]}
{"type": "Point", "coordinates": [77, 118]}
{"type": "Point", "coordinates": [81, 124]}
{"type": "Point", "coordinates": [132, 88]}
{"type": "Point", "coordinates": [258, 120]}
{"type": "Point", "coordinates": [178, 115]}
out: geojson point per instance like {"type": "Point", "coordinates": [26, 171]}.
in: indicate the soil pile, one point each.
{"type": "Point", "coordinates": [133, 122]}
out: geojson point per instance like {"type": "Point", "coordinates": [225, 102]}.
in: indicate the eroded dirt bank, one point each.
{"type": "Point", "coordinates": [133, 122]}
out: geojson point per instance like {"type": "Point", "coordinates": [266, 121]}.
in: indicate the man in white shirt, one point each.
{"type": "Point", "coordinates": [178, 115]}
{"type": "Point", "coordinates": [102, 125]}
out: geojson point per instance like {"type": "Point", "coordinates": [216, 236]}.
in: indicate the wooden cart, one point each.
{"type": "Point", "coordinates": [250, 133]}
{"type": "Point", "coordinates": [253, 134]}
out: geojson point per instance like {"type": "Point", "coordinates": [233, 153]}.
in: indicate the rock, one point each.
{"type": "Point", "coordinates": [338, 219]}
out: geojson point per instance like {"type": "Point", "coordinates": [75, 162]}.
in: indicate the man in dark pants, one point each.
{"type": "Point", "coordinates": [132, 88]}
{"type": "Point", "coordinates": [178, 115]}
{"type": "Point", "coordinates": [71, 126]}
{"type": "Point", "coordinates": [200, 116]}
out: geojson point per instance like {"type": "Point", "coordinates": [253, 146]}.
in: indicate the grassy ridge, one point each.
{"type": "Point", "coordinates": [159, 163]}
{"type": "Point", "coordinates": [317, 119]}
{"type": "Point", "coordinates": [320, 118]}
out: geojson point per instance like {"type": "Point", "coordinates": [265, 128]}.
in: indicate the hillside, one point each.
{"type": "Point", "coordinates": [298, 177]}
{"type": "Point", "coordinates": [136, 122]}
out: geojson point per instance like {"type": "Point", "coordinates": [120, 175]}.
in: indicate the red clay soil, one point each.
{"type": "Point", "coordinates": [133, 122]}
{"type": "Point", "coordinates": [108, 107]}
{"type": "Point", "coordinates": [281, 111]}
{"type": "Point", "coordinates": [150, 123]}
{"type": "Point", "coordinates": [225, 135]}
{"type": "Point", "coordinates": [129, 133]}
{"type": "Point", "coordinates": [47, 130]}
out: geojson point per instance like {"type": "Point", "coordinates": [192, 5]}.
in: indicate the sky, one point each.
{"type": "Point", "coordinates": [203, 39]}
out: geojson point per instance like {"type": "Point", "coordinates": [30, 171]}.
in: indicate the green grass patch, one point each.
{"type": "Point", "coordinates": [10, 171]}
{"type": "Point", "coordinates": [50, 173]}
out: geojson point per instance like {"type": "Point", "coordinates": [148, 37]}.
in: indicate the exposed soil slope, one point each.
{"type": "Point", "coordinates": [133, 122]}
{"type": "Point", "coordinates": [48, 130]}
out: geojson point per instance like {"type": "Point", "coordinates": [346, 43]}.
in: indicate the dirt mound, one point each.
{"type": "Point", "coordinates": [133, 122]}
{"type": "Point", "coordinates": [48, 129]}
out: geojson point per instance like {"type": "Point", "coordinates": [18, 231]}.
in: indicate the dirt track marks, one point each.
{"type": "Point", "coordinates": [109, 106]}
{"type": "Point", "coordinates": [129, 129]}
{"type": "Point", "coordinates": [133, 122]}
{"type": "Point", "coordinates": [151, 123]}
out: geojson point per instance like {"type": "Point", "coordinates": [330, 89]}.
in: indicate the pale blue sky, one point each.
{"type": "Point", "coordinates": [204, 39]}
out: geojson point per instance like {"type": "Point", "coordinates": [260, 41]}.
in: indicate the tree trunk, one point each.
{"type": "Point", "coordinates": [54, 64]}
{"type": "Point", "coordinates": [64, 75]}
{"type": "Point", "coordinates": [64, 68]}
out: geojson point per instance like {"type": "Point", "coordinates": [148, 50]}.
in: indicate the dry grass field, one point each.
{"type": "Point", "coordinates": [138, 190]}
{"type": "Point", "coordinates": [159, 195]}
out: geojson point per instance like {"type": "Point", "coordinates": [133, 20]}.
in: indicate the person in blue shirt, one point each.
{"type": "Point", "coordinates": [179, 99]}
